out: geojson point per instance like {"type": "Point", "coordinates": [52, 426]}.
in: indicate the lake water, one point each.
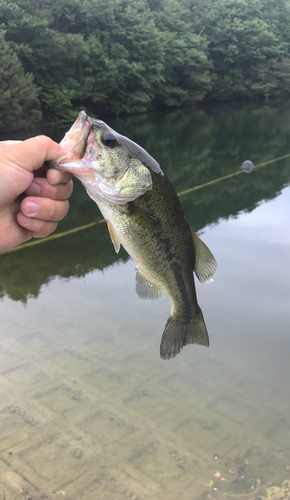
{"type": "Point", "coordinates": [88, 409]}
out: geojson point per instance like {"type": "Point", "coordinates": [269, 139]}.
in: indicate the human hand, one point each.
{"type": "Point", "coordinates": [32, 198]}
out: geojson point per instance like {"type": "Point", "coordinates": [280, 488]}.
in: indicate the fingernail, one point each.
{"type": "Point", "coordinates": [24, 221]}
{"type": "Point", "coordinates": [31, 207]}
{"type": "Point", "coordinates": [33, 190]}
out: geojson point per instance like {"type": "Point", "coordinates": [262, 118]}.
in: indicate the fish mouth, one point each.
{"type": "Point", "coordinates": [74, 144]}
{"type": "Point", "coordinates": [75, 140]}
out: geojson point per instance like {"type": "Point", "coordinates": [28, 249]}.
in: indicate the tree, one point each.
{"type": "Point", "coordinates": [244, 44]}
{"type": "Point", "coordinates": [19, 104]}
{"type": "Point", "coordinates": [123, 56]}
{"type": "Point", "coordinates": [129, 63]}
{"type": "Point", "coordinates": [186, 76]}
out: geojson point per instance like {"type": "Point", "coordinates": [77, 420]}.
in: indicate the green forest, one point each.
{"type": "Point", "coordinates": [128, 56]}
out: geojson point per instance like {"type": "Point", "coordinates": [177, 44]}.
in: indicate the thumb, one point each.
{"type": "Point", "coordinates": [32, 153]}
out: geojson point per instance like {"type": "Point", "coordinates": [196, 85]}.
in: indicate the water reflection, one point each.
{"type": "Point", "coordinates": [193, 148]}
{"type": "Point", "coordinates": [24, 272]}
{"type": "Point", "coordinates": [87, 408]}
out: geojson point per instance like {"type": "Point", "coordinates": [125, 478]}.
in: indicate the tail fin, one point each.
{"type": "Point", "coordinates": [176, 335]}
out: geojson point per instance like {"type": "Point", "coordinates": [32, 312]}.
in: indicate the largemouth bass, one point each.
{"type": "Point", "coordinates": [144, 215]}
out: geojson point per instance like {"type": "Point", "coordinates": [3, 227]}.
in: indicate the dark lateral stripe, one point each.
{"type": "Point", "coordinates": [186, 300]}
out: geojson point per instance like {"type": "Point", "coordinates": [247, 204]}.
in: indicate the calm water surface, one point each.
{"type": "Point", "coordinates": [88, 410]}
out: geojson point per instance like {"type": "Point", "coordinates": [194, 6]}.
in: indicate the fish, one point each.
{"type": "Point", "coordinates": [144, 215]}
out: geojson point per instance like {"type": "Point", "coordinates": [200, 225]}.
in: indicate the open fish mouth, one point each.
{"type": "Point", "coordinates": [76, 138]}
{"type": "Point", "coordinates": [74, 144]}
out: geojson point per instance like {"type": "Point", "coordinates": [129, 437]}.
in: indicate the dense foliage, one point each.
{"type": "Point", "coordinates": [124, 56]}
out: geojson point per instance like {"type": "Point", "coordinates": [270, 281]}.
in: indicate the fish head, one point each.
{"type": "Point", "coordinates": [112, 168]}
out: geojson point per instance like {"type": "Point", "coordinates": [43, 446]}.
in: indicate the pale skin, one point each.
{"type": "Point", "coordinates": [32, 198]}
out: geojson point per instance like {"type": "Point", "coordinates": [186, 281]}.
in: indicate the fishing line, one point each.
{"type": "Point", "coordinates": [101, 221]}
{"type": "Point", "coordinates": [54, 236]}
{"type": "Point", "coordinates": [214, 181]}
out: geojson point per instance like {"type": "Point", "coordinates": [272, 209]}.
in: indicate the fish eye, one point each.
{"type": "Point", "coordinates": [109, 140]}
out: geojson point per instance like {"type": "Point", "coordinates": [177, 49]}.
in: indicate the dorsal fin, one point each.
{"type": "Point", "coordinates": [205, 266]}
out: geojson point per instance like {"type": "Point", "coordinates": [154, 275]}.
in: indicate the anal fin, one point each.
{"type": "Point", "coordinates": [145, 289]}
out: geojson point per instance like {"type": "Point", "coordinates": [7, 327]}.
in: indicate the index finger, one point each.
{"type": "Point", "coordinates": [55, 177]}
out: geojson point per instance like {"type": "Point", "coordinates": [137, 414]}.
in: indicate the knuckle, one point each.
{"type": "Point", "coordinates": [71, 188]}
{"type": "Point", "coordinates": [44, 138]}
{"type": "Point", "coordinates": [51, 210]}
{"type": "Point", "coordinates": [45, 230]}
{"type": "Point", "coordinates": [65, 209]}
{"type": "Point", "coordinates": [58, 178]}
{"type": "Point", "coordinates": [54, 193]}
{"type": "Point", "coordinates": [67, 190]}
{"type": "Point", "coordinates": [53, 176]}
{"type": "Point", "coordinates": [57, 210]}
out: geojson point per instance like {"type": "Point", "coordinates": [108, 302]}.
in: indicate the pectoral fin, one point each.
{"type": "Point", "coordinates": [205, 266]}
{"type": "Point", "coordinates": [114, 237]}
{"type": "Point", "coordinates": [140, 216]}
{"type": "Point", "coordinates": [145, 289]}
